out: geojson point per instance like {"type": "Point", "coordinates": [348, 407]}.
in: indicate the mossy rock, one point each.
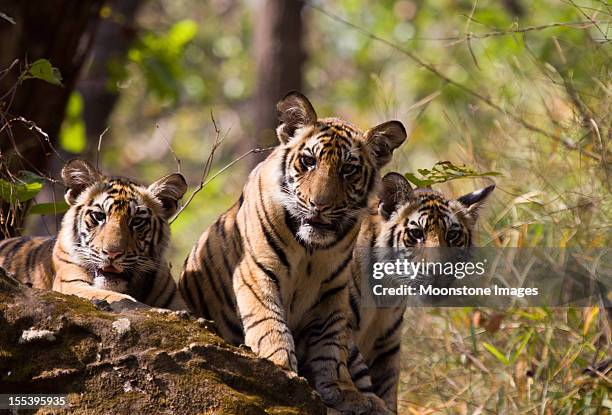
{"type": "Point", "coordinates": [134, 361]}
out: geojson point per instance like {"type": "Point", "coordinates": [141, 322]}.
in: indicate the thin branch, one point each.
{"type": "Point", "coordinates": [206, 169]}
{"type": "Point", "coordinates": [176, 159]}
{"type": "Point", "coordinates": [204, 181]}
{"type": "Point", "coordinates": [99, 147]}
{"type": "Point", "coordinates": [569, 144]}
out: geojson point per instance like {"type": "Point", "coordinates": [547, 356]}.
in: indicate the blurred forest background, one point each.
{"type": "Point", "coordinates": [521, 88]}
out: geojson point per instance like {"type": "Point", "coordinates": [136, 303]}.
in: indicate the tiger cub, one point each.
{"type": "Point", "coordinates": [272, 271]}
{"type": "Point", "coordinates": [405, 218]}
{"type": "Point", "coordinates": [111, 244]}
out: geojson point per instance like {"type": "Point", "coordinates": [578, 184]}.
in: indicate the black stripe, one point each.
{"type": "Point", "coordinates": [332, 291]}
{"type": "Point", "coordinates": [269, 332]}
{"type": "Point", "coordinates": [276, 235]}
{"type": "Point", "coordinates": [280, 349]}
{"type": "Point", "coordinates": [382, 381]}
{"type": "Point", "coordinates": [236, 329]}
{"type": "Point", "coordinates": [16, 247]}
{"type": "Point", "coordinates": [325, 336]}
{"type": "Point", "coordinates": [257, 297]}
{"type": "Point", "coordinates": [356, 311]}
{"type": "Point", "coordinates": [66, 261]}
{"type": "Point", "coordinates": [363, 372]}
{"type": "Point", "coordinates": [75, 223]}
{"type": "Point", "coordinates": [389, 353]}
{"type": "Point", "coordinates": [263, 320]}
{"type": "Point", "coordinates": [169, 300]}
{"type": "Point", "coordinates": [277, 250]}
{"type": "Point", "coordinates": [77, 280]}
{"type": "Point", "coordinates": [227, 297]}
{"type": "Point", "coordinates": [338, 270]}
{"type": "Point", "coordinates": [33, 257]}
{"type": "Point", "coordinates": [392, 330]}
{"type": "Point", "coordinates": [323, 359]}
{"type": "Point", "coordinates": [7, 244]}
{"type": "Point", "coordinates": [156, 280]}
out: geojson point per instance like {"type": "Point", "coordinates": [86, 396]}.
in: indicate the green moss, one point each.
{"type": "Point", "coordinates": [174, 333]}
{"type": "Point", "coordinates": [70, 303]}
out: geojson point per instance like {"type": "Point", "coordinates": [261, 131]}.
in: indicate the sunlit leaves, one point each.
{"type": "Point", "coordinates": [48, 208]}
{"type": "Point", "coordinates": [159, 56]}
{"type": "Point", "coordinates": [72, 136]}
{"type": "Point", "coordinates": [443, 171]}
{"type": "Point", "coordinates": [25, 187]}
{"type": "Point", "coordinates": [43, 70]}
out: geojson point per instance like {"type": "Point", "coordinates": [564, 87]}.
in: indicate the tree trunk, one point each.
{"type": "Point", "coordinates": [113, 39]}
{"type": "Point", "coordinates": [62, 32]}
{"type": "Point", "coordinates": [280, 57]}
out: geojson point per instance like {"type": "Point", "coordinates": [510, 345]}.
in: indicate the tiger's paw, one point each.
{"type": "Point", "coordinates": [346, 401]}
{"type": "Point", "coordinates": [285, 360]}
{"type": "Point", "coordinates": [378, 405]}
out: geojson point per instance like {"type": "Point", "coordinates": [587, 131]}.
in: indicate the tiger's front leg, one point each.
{"type": "Point", "coordinates": [326, 356]}
{"type": "Point", "coordinates": [263, 317]}
{"type": "Point", "coordinates": [385, 370]}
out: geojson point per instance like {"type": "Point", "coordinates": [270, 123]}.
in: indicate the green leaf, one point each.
{"type": "Point", "coordinates": [42, 69]}
{"type": "Point", "coordinates": [498, 355]}
{"type": "Point", "coordinates": [48, 208]}
{"type": "Point", "coordinates": [444, 171]}
{"type": "Point", "coordinates": [26, 187]}
{"type": "Point", "coordinates": [521, 347]}
{"type": "Point", "coordinates": [182, 33]}
{"type": "Point", "coordinates": [73, 136]}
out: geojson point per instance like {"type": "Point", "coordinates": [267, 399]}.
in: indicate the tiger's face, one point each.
{"type": "Point", "coordinates": [119, 229]}
{"type": "Point", "coordinates": [426, 218]}
{"type": "Point", "coordinates": [329, 169]}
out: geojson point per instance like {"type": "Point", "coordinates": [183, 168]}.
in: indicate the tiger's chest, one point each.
{"type": "Point", "coordinates": [303, 287]}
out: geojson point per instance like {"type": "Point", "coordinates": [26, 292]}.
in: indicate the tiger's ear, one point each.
{"type": "Point", "coordinates": [385, 138]}
{"type": "Point", "coordinates": [475, 200]}
{"type": "Point", "coordinates": [78, 175]}
{"type": "Point", "coordinates": [169, 190]}
{"type": "Point", "coordinates": [395, 192]}
{"type": "Point", "coordinates": [294, 111]}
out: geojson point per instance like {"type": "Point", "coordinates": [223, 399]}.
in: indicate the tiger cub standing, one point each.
{"type": "Point", "coordinates": [405, 218]}
{"type": "Point", "coordinates": [111, 244]}
{"type": "Point", "coordinates": [272, 271]}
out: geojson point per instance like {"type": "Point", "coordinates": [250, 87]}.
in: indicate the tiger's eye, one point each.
{"type": "Point", "coordinates": [97, 215]}
{"type": "Point", "coordinates": [348, 169]}
{"type": "Point", "coordinates": [417, 234]}
{"type": "Point", "coordinates": [452, 235]}
{"type": "Point", "coordinates": [136, 222]}
{"type": "Point", "coordinates": [308, 161]}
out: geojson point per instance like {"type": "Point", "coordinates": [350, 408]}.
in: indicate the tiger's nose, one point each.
{"type": "Point", "coordinates": [112, 254]}
{"type": "Point", "coordinates": [320, 205]}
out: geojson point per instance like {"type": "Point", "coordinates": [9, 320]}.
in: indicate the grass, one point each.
{"type": "Point", "coordinates": [519, 361]}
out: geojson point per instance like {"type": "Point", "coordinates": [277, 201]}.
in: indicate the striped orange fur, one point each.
{"type": "Point", "coordinates": [401, 218]}
{"type": "Point", "coordinates": [272, 270]}
{"type": "Point", "coordinates": [111, 244]}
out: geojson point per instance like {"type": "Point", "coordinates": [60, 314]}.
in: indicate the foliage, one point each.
{"type": "Point", "coordinates": [443, 171]}
{"type": "Point", "coordinates": [159, 58]}
{"type": "Point", "coordinates": [48, 208]}
{"type": "Point", "coordinates": [72, 135]}
{"type": "Point", "coordinates": [43, 70]}
{"type": "Point", "coordinates": [25, 187]}
{"type": "Point", "coordinates": [521, 361]}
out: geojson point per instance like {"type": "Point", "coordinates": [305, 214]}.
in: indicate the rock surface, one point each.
{"type": "Point", "coordinates": [135, 361]}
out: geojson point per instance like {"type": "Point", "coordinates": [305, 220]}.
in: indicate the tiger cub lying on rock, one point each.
{"type": "Point", "coordinates": [111, 244]}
